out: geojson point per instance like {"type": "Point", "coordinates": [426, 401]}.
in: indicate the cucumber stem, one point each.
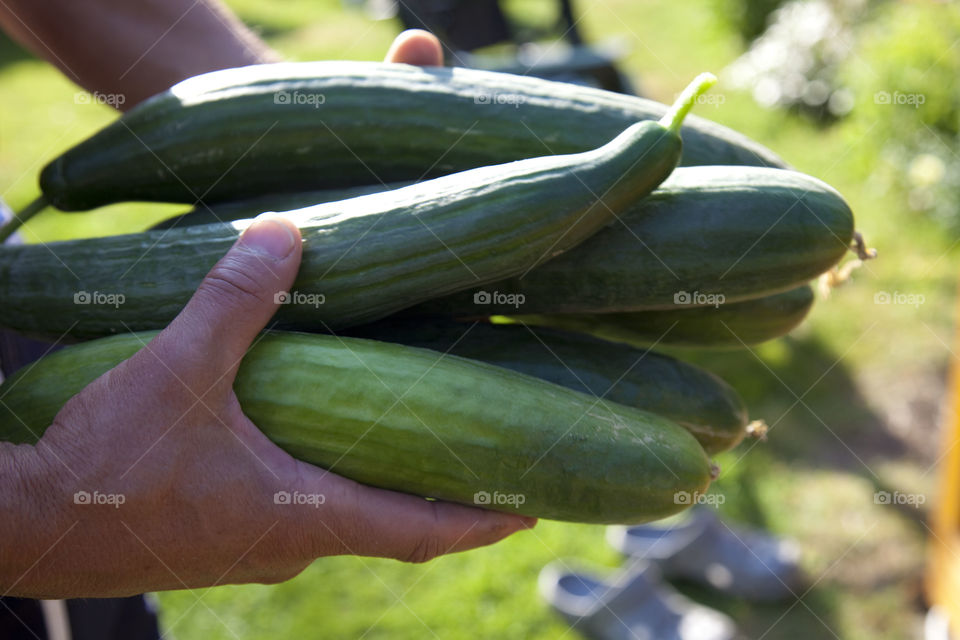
{"type": "Point", "coordinates": [18, 219]}
{"type": "Point", "coordinates": [758, 429]}
{"type": "Point", "coordinates": [673, 119]}
{"type": "Point", "coordinates": [858, 246]}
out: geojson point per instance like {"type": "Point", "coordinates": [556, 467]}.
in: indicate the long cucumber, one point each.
{"type": "Point", "coordinates": [695, 399]}
{"type": "Point", "coordinates": [229, 211]}
{"type": "Point", "coordinates": [363, 258]}
{"type": "Point", "coordinates": [739, 232]}
{"type": "Point", "coordinates": [707, 232]}
{"type": "Point", "coordinates": [733, 325]}
{"type": "Point", "coordinates": [416, 421]}
{"type": "Point", "coordinates": [298, 126]}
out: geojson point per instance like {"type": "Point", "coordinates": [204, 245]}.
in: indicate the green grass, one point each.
{"type": "Point", "coordinates": [868, 377]}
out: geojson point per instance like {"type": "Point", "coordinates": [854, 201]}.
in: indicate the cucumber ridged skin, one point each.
{"type": "Point", "coordinates": [728, 326]}
{"type": "Point", "coordinates": [693, 398]}
{"type": "Point", "coordinates": [462, 426]}
{"type": "Point", "coordinates": [225, 212]}
{"type": "Point", "coordinates": [367, 257]}
{"type": "Point", "coordinates": [743, 232]}
{"type": "Point", "coordinates": [231, 134]}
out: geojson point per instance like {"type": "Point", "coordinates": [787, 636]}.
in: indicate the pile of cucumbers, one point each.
{"type": "Point", "coordinates": [488, 259]}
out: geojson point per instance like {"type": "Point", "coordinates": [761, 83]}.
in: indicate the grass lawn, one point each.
{"type": "Point", "coordinates": [853, 396]}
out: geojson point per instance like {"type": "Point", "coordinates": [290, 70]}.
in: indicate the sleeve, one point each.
{"type": "Point", "coordinates": [15, 350]}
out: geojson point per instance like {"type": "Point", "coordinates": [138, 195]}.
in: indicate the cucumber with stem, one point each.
{"type": "Point", "coordinates": [735, 232]}
{"type": "Point", "coordinates": [695, 399]}
{"type": "Point", "coordinates": [413, 420]}
{"type": "Point", "coordinates": [226, 212]}
{"type": "Point", "coordinates": [18, 220]}
{"type": "Point", "coordinates": [266, 129]}
{"type": "Point", "coordinates": [715, 203]}
{"type": "Point", "coordinates": [363, 258]}
{"type": "Point", "coordinates": [726, 326]}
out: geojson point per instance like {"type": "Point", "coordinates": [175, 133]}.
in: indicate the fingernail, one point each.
{"type": "Point", "coordinates": [528, 522]}
{"type": "Point", "coordinates": [268, 236]}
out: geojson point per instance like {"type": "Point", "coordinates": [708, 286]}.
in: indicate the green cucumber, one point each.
{"type": "Point", "coordinates": [232, 210]}
{"type": "Point", "coordinates": [739, 232]}
{"type": "Point", "coordinates": [461, 428]}
{"type": "Point", "coordinates": [363, 258]}
{"type": "Point", "coordinates": [695, 399]}
{"type": "Point", "coordinates": [311, 125]}
{"type": "Point", "coordinates": [732, 325]}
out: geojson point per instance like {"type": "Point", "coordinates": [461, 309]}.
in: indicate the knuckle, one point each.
{"type": "Point", "coordinates": [332, 528]}
{"type": "Point", "coordinates": [233, 283]}
{"type": "Point", "coordinates": [429, 545]}
{"type": "Point", "coordinates": [278, 576]}
{"type": "Point", "coordinates": [346, 530]}
{"type": "Point", "coordinates": [427, 548]}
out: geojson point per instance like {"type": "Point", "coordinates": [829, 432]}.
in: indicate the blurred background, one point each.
{"type": "Point", "coordinates": [862, 94]}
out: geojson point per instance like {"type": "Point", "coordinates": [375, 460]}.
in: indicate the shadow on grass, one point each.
{"type": "Point", "coordinates": [811, 617]}
{"type": "Point", "coordinates": [818, 418]}
{"type": "Point", "coordinates": [819, 421]}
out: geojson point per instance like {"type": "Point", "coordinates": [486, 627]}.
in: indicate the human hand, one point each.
{"type": "Point", "coordinates": [187, 483]}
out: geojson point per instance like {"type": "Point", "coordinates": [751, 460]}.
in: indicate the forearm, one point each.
{"type": "Point", "coordinates": [133, 49]}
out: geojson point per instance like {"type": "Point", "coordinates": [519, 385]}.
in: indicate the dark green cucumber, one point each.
{"type": "Point", "coordinates": [312, 125]}
{"type": "Point", "coordinates": [252, 207]}
{"type": "Point", "coordinates": [463, 428]}
{"type": "Point", "coordinates": [736, 324]}
{"type": "Point", "coordinates": [740, 232]}
{"type": "Point", "coordinates": [695, 399]}
{"type": "Point", "coordinates": [363, 258]}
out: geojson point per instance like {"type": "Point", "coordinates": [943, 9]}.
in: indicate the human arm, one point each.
{"type": "Point", "coordinates": [129, 51]}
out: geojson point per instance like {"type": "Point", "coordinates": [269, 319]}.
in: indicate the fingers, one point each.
{"type": "Point", "coordinates": [206, 341]}
{"type": "Point", "coordinates": [418, 47]}
{"type": "Point", "coordinates": [362, 520]}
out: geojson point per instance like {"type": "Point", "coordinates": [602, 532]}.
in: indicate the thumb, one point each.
{"type": "Point", "coordinates": [236, 299]}
{"type": "Point", "coordinates": [416, 46]}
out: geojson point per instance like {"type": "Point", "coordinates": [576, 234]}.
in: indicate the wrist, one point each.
{"type": "Point", "coordinates": [29, 493]}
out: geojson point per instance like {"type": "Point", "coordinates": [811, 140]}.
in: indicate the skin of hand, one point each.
{"type": "Point", "coordinates": [187, 484]}
{"type": "Point", "coordinates": [182, 487]}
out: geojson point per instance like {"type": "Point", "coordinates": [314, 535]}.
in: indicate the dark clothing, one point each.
{"type": "Point", "coordinates": [130, 618]}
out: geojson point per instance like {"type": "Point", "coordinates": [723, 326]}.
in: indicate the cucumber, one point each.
{"type": "Point", "coordinates": [739, 232]}
{"type": "Point", "coordinates": [224, 212]}
{"type": "Point", "coordinates": [731, 325]}
{"type": "Point", "coordinates": [363, 258]}
{"type": "Point", "coordinates": [695, 399]}
{"type": "Point", "coordinates": [299, 126]}
{"type": "Point", "coordinates": [460, 428]}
